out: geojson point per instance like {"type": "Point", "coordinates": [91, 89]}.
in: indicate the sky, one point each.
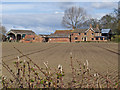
{"type": "Point", "coordinates": [46, 17]}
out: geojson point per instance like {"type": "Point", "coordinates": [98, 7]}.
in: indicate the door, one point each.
{"type": "Point", "coordinates": [85, 39]}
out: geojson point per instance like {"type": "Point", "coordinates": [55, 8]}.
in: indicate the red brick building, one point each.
{"type": "Point", "coordinates": [60, 36]}
{"type": "Point", "coordinates": [32, 38]}
{"type": "Point", "coordinates": [77, 35]}
{"type": "Point", "coordinates": [90, 34]}
{"type": "Point", "coordinates": [17, 34]}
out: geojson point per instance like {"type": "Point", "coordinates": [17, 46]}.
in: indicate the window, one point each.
{"type": "Point", "coordinates": [78, 33]}
{"type": "Point", "coordinates": [76, 38]}
{"type": "Point", "coordinates": [96, 38]}
{"type": "Point", "coordinates": [82, 38]}
{"type": "Point", "coordinates": [23, 35]}
{"type": "Point", "coordinates": [84, 33]}
{"type": "Point", "coordinates": [101, 38]}
{"type": "Point", "coordinates": [92, 38]}
{"type": "Point", "coordinates": [92, 33]}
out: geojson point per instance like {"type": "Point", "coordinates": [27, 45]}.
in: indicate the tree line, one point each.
{"type": "Point", "coordinates": [76, 17]}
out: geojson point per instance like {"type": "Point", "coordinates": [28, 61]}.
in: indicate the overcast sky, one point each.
{"type": "Point", "coordinates": [46, 17]}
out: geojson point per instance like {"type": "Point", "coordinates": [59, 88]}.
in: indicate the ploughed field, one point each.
{"type": "Point", "coordinates": [102, 57]}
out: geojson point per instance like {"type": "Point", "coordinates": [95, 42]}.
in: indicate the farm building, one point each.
{"type": "Point", "coordinates": [17, 35]}
{"type": "Point", "coordinates": [91, 34]}
{"type": "Point", "coordinates": [60, 36]}
{"type": "Point", "coordinates": [45, 37]}
{"type": "Point", "coordinates": [107, 33]}
{"type": "Point", "coordinates": [32, 38]}
{"type": "Point", "coordinates": [76, 35]}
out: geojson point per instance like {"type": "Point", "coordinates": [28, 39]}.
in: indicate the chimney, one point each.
{"type": "Point", "coordinates": [90, 25]}
{"type": "Point", "coordinates": [73, 28]}
{"type": "Point", "coordinates": [97, 26]}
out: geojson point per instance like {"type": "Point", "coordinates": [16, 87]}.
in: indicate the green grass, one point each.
{"type": "Point", "coordinates": [116, 38]}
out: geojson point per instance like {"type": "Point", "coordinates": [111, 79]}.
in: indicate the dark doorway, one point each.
{"type": "Point", "coordinates": [85, 39]}
{"type": "Point", "coordinates": [46, 39]}
{"type": "Point", "coordinates": [70, 38]}
{"type": "Point", "coordinates": [18, 37]}
{"type": "Point", "coordinates": [11, 35]}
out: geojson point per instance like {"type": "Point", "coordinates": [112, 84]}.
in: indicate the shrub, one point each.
{"type": "Point", "coordinates": [116, 38]}
{"type": "Point", "coordinates": [29, 75]}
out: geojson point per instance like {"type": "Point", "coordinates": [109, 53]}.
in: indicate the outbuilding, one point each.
{"type": "Point", "coordinates": [60, 36]}
{"type": "Point", "coordinates": [16, 34]}
{"type": "Point", "coordinates": [107, 33]}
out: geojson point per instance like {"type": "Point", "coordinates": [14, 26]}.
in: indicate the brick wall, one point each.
{"type": "Point", "coordinates": [59, 40]}
{"type": "Point", "coordinates": [32, 38]}
{"type": "Point", "coordinates": [38, 39]}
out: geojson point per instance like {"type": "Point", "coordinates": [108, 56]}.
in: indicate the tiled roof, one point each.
{"type": "Point", "coordinates": [79, 30]}
{"type": "Point", "coordinates": [96, 29]}
{"type": "Point", "coordinates": [22, 31]}
{"type": "Point", "coordinates": [61, 33]}
{"type": "Point", "coordinates": [84, 30]}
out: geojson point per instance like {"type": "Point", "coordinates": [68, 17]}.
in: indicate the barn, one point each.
{"type": "Point", "coordinates": [17, 35]}
{"type": "Point", "coordinates": [60, 36]}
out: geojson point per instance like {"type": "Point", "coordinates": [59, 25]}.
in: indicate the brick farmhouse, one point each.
{"type": "Point", "coordinates": [78, 35]}
{"type": "Point", "coordinates": [90, 34]}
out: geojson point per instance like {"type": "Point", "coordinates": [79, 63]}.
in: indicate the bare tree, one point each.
{"type": "Point", "coordinates": [73, 17]}
{"type": "Point", "coordinates": [2, 33]}
{"type": "Point", "coordinates": [2, 30]}
{"type": "Point", "coordinates": [92, 21]}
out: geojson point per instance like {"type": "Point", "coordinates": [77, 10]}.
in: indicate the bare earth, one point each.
{"type": "Point", "coordinates": [101, 56]}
